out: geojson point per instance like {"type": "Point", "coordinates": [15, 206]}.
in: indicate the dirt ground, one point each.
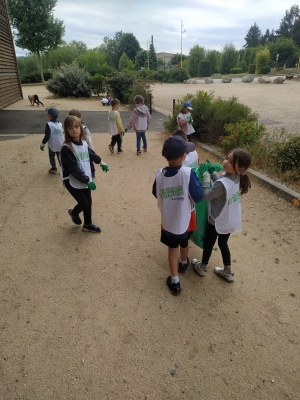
{"type": "Point", "coordinates": [89, 316]}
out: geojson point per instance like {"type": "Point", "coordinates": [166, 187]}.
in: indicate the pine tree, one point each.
{"type": "Point", "coordinates": [152, 57]}
{"type": "Point", "coordinates": [287, 22]}
{"type": "Point", "coordinates": [253, 37]}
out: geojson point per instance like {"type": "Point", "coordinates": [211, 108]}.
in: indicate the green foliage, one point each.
{"type": "Point", "coordinates": [120, 85]}
{"type": "Point", "coordinates": [287, 154]}
{"type": "Point", "coordinates": [229, 58]}
{"type": "Point", "coordinates": [262, 60]}
{"type": "Point", "coordinates": [235, 70]}
{"type": "Point", "coordinates": [70, 80]}
{"type": "Point", "coordinates": [197, 54]}
{"type": "Point", "coordinates": [28, 65]}
{"type": "Point", "coordinates": [160, 76]}
{"type": "Point", "coordinates": [213, 57]}
{"type": "Point", "coordinates": [253, 37]}
{"type": "Point", "coordinates": [65, 54]}
{"type": "Point", "coordinates": [287, 23]}
{"type": "Point", "coordinates": [126, 63]}
{"type": "Point", "coordinates": [286, 48]}
{"type": "Point", "coordinates": [129, 45]}
{"type": "Point", "coordinates": [265, 69]}
{"type": "Point", "coordinates": [33, 77]}
{"type": "Point", "coordinates": [141, 88]}
{"type": "Point", "coordinates": [141, 59]}
{"type": "Point", "coordinates": [204, 68]}
{"type": "Point", "coordinates": [97, 84]}
{"type": "Point", "coordinates": [175, 60]}
{"type": "Point", "coordinates": [252, 68]}
{"type": "Point", "coordinates": [243, 134]}
{"type": "Point", "coordinates": [152, 57]}
{"type": "Point", "coordinates": [176, 75]}
{"type": "Point", "coordinates": [92, 61]}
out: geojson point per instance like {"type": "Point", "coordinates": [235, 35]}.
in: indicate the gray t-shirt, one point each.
{"type": "Point", "coordinates": [217, 194]}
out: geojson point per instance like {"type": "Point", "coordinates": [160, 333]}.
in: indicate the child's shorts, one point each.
{"type": "Point", "coordinates": [172, 242]}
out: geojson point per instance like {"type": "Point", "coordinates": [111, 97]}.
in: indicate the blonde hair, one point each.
{"type": "Point", "coordinates": [70, 121]}
{"type": "Point", "coordinates": [75, 112]}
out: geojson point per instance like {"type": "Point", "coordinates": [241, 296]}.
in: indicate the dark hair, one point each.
{"type": "Point", "coordinates": [138, 99]}
{"type": "Point", "coordinates": [243, 159]}
{"type": "Point", "coordinates": [114, 102]}
{"type": "Point", "coordinates": [181, 133]}
{"type": "Point", "coordinates": [68, 123]}
{"type": "Point", "coordinates": [75, 112]}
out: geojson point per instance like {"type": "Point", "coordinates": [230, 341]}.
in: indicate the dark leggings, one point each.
{"type": "Point", "coordinates": [116, 139]}
{"type": "Point", "coordinates": [52, 157]}
{"type": "Point", "coordinates": [210, 240]}
{"type": "Point", "coordinates": [84, 200]}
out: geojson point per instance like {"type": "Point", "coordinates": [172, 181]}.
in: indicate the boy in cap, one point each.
{"type": "Point", "coordinates": [185, 120]}
{"type": "Point", "coordinates": [175, 188]}
{"type": "Point", "coordinates": [54, 137]}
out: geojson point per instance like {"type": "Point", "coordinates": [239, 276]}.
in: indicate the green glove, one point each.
{"type": "Point", "coordinates": [190, 120]}
{"type": "Point", "coordinates": [203, 167]}
{"type": "Point", "coordinates": [91, 185]}
{"type": "Point", "coordinates": [213, 167]}
{"type": "Point", "coordinates": [104, 167]}
{"type": "Point", "coordinates": [42, 146]}
{"type": "Point", "coordinates": [122, 133]}
{"type": "Point", "coordinates": [125, 130]}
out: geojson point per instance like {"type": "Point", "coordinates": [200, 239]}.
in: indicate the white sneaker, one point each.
{"type": "Point", "coordinates": [227, 276]}
{"type": "Point", "coordinates": [198, 267]}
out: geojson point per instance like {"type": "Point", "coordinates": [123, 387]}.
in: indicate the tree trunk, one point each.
{"type": "Point", "coordinates": [41, 66]}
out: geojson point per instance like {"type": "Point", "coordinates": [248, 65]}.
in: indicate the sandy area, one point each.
{"type": "Point", "coordinates": [89, 316]}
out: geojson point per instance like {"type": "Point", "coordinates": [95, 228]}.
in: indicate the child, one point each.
{"type": "Point", "coordinates": [77, 114]}
{"type": "Point", "coordinates": [115, 127]}
{"type": "Point", "coordinates": [192, 159]}
{"type": "Point", "coordinates": [139, 121]}
{"type": "Point", "coordinates": [76, 172]}
{"type": "Point", "coordinates": [185, 120]}
{"type": "Point", "coordinates": [173, 187]}
{"type": "Point", "coordinates": [54, 137]}
{"type": "Point", "coordinates": [225, 209]}
{"type": "Point", "coordinates": [34, 98]}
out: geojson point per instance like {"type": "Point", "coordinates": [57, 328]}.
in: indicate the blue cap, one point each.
{"type": "Point", "coordinates": [175, 146]}
{"type": "Point", "coordinates": [52, 111]}
{"type": "Point", "coordinates": [187, 104]}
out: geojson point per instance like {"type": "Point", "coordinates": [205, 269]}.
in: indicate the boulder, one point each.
{"type": "Point", "coordinates": [279, 80]}
{"type": "Point", "coordinates": [264, 79]}
{"type": "Point", "coordinates": [247, 78]}
{"type": "Point", "coordinates": [289, 76]}
{"type": "Point", "coordinates": [209, 80]}
{"type": "Point", "coordinates": [225, 79]}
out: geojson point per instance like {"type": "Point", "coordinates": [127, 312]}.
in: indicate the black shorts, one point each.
{"type": "Point", "coordinates": [172, 242]}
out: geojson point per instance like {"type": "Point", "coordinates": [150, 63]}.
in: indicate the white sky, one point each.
{"type": "Point", "coordinates": [208, 23]}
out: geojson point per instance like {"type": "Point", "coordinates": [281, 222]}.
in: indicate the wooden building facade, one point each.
{"type": "Point", "coordinates": [10, 84]}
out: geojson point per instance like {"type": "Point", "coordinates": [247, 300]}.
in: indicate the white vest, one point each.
{"type": "Point", "coordinates": [112, 123]}
{"type": "Point", "coordinates": [191, 159]}
{"type": "Point", "coordinates": [56, 136]}
{"type": "Point", "coordinates": [184, 117]}
{"type": "Point", "coordinates": [230, 218]}
{"type": "Point", "coordinates": [173, 200]}
{"type": "Point", "coordinates": [88, 136]}
{"type": "Point", "coordinates": [83, 161]}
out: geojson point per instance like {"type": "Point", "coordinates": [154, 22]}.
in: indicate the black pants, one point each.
{"type": "Point", "coordinates": [210, 240]}
{"type": "Point", "coordinates": [52, 157]}
{"type": "Point", "coordinates": [116, 139]}
{"type": "Point", "coordinates": [36, 100]}
{"type": "Point", "coordinates": [84, 200]}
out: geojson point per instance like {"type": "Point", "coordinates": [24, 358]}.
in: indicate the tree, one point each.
{"type": "Point", "coordinates": [36, 29]}
{"type": "Point", "coordinates": [121, 43]}
{"type": "Point", "coordinates": [286, 48]}
{"type": "Point", "coordinates": [229, 58]}
{"type": "Point", "coordinates": [141, 59]}
{"type": "Point", "coordinates": [175, 60]}
{"type": "Point", "coordinates": [129, 45]}
{"type": "Point", "coordinates": [92, 61]}
{"type": "Point", "coordinates": [152, 57]}
{"type": "Point", "coordinates": [197, 54]}
{"type": "Point", "coordinates": [253, 37]}
{"type": "Point", "coordinates": [262, 60]}
{"type": "Point", "coordinates": [287, 22]}
{"type": "Point", "coordinates": [65, 54]}
{"type": "Point", "coordinates": [126, 63]}
{"type": "Point", "coordinates": [212, 56]}
{"type": "Point", "coordinates": [79, 46]}
{"type": "Point", "coordinates": [296, 32]}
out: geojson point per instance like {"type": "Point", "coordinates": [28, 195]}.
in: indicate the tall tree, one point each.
{"type": "Point", "coordinates": [253, 36]}
{"type": "Point", "coordinates": [296, 32]}
{"type": "Point", "coordinates": [141, 59]}
{"type": "Point", "coordinates": [212, 56]}
{"type": "Point", "coordinates": [197, 54]}
{"type": "Point", "coordinates": [286, 48]}
{"type": "Point", "coordinates": [36, 29]}
{"type": "Point", "coordinates": [152, 57]}
{"type": "Point", "coordinates": [229, 58]}
{"type": "Point", "coordinates": [287, 22]}
{"type": "Point", "coordinates": [129, 45]}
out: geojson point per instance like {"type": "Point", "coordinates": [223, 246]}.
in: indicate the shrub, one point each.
{"type": "Point", "coordinates": [120, 85]}
{"type": "Point", "coordinates": [160, 76]}
{"type": "Point", "coordinates": [204, 68]}
{"type": "Point", "coordinates": [235, 70]}
{"type": "Point", "coordinates": [33, 77]}
{"type": "Point", "coordinates": [244, 134]}
{"type": "Point", "coordinates": [262, 59]}
{"type": "Point", "coordinates": [97, 84]}
{"type": "Point", "coordinates": [70, 80]}
{"type": "Point", "coordinates": [177, 75]}
{"type": "Point", "coordinates": [252, 68]}
{"type": "Point", "coordinates": [143, 89]}
{"type": "Point", "coordinates": [265, 69]}
{"type": "Point", "coordinates": [287, 154]}
{"type": "Point", "coordinates": [47, 75]}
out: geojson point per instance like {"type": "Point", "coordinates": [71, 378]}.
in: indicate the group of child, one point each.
{"type": "Point", "coordinates": [176, 186]}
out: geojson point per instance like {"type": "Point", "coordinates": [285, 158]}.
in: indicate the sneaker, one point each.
{"type": "Point", "coordinates": [75, 218]}
{"type": "Point", "coordinates": [183, 267]}
{"type": "Point", "coordinates": [110, 148]}
{"type": "Point", "coordinates": [174, 287]}
{"type": "Point", "coordinates": [91, 228]}
{"type": "Point", "coordinates": [229, 277]}
{"type": "Point", "coordinates": [138, 152]}
{"type": "Point", "coordinates": [52, 171]}
{"type": "Point", "coordinates": [120, 151]}
{"type": "Point", "coordinates": [198, 267]}
{"type": "Point", "coordinates": [145, 149]}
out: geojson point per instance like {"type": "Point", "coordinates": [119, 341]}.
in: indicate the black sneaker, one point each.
{"type": "Point", "coordinates": [120, 151]}
{"type": "Point", "coordinates": [174, 287]}
{"type": "Point", "coordinates": [52, 171]}
{"type": "Point", "coordinates": [75, 218]}
{"type": "Point", "coordinates": [91, 228]}
{"type": "Point", "coordinates": [110, 148]}
{"type": "Point", "coordinates": [183, 267]}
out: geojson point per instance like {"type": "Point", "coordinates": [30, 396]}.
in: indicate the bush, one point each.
{"type": "Point", "coordinates": [70, 80]}
{"type": "Point", "coordinates": [143, 89]}
{"type": "Point", "coordinates": [244, 134]}
{"type": "Point", "coordinates": [47, 75]}
{"type": "Point", "coordinates": [177, 75]}
{"type": "Point", "coordinates": [204, 68]}
{"type": "Point", "coordinates": [265, 69]}
{"type": "Point", "coordinates": [33, 77]}
{"type": "Point", "coordinates": [287, 154]}
{"type": "Point", "coordinates": [252, 68]}
{"type": "Point", "coordinates": [235, 70]}
{"type": "Point", "coordinates": [97, 84]}
{"type": "Point", "coordinates": [160, 76]}
{"type": "Point", "coordinates": [120, 85]}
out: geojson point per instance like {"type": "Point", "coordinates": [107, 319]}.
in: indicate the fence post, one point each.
{"type": "Point", "coordinates": [150, 103]}
{"type": "Point", "coordinates": [173, 106]}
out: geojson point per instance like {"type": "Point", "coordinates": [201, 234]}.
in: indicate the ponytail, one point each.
{"type": "Point", "coordinates": [245, 183]}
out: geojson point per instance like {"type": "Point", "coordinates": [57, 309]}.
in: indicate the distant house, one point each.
{"type": "Point", "coordinates": [166, 57]}
{"type": "Point", "coordinates": [10, 84]}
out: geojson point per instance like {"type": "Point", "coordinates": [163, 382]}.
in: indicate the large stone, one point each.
{"type": "Point", "coordinates": [279, 80]}
{"type": "Point", "coordinates": [289, 76]}
{"type": "Point", "coordinates": [247, 79]}
{"type": "Point", "coordinates": [264, 79]}
{"type": "Point", "coordinates": [209, 80]}
{"type": "Point", "coordinates": [225, 79]}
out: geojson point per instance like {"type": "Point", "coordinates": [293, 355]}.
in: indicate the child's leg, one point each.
{"type": "Point", "coordinates": [84, 202]}
{"type": "Point", "coordinates": [173, 261]}
{"type": "Point", "coordinates": [138, 141]}
{"type": "Point", "coordinates": [210, 240]}
{"type": "Point", "coordinates": [223, 245]}
{"type": "Point", "coordinates": [143, 135]}
{"type": "Point", "coordinates": [52, 158]}
{"type": "Point", "coordinates": [58, 157]}
{"type": "Point", "coordinates": [113, 140]}
{"type": "Point", "coordinates": [119, 142]}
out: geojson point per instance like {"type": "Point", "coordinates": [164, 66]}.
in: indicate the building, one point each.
{"type": "Point", "coordinates": [166, 57]}
{"type": "Point", "coordinates": [10, 84]}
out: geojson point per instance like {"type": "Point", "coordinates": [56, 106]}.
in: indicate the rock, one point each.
{"type": "Point", "coordinates": [289, 76]}
{"type": "Point", "coordinates": [173, 372]}
{"type": "Point", "coordinates": [279, 80]}
{"type": "Point", "coordinates": [225, 79]}
{"type": "Point", "coordinates": [247, 79]}
{"type": "Point", "coordinates": [209, 80]}
{"type": "Point", "coordinates": [190, 81]}
{"type": "Point", "coordinates": [264, 79]}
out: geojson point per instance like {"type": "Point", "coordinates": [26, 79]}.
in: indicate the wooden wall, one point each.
{"type": "Point", "coordinates": [10, 85]}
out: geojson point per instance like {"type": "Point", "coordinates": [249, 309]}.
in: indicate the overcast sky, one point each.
{"type": "Point", "coordinates": [208, 23]}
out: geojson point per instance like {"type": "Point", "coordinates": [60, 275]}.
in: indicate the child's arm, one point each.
{"type": "Point", "coordinates": [132, 120]}
{"type": "Point", "coordinates": [154, 189]}
{"type": "Point", "coordinates": [217, 190]}
{"type": "Point", "coordinates": [69, 163]}
{"type": "Point", "coordinates": [119, 123]}
{"type": "Point", "coordinates": [46, 137]}
{"type": "Point", "coordinates": [182, 124]}
{"type": "Point", "coordinates": [195, 189]}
